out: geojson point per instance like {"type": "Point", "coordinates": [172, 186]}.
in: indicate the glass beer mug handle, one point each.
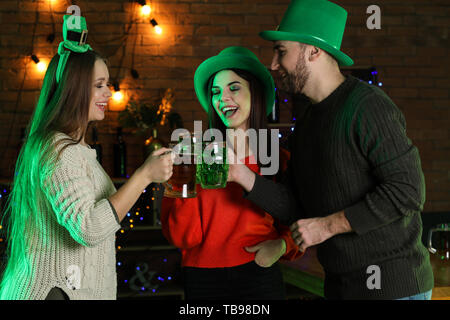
{"type": "Point", "coordinates": [430, 241]}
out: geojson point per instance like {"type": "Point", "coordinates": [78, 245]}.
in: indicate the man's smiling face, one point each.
{"type": "Point", "coordinates": [289, 61]}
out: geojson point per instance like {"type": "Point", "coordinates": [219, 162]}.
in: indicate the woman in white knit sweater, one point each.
{"type": "Point", "coordinates": [64, 210]}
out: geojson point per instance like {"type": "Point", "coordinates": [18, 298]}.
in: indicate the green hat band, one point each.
{"type": "Point", "coordinates": [75, 36]}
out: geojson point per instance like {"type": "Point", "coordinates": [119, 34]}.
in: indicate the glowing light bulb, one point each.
{"type": "Point", "coordinates": [41, 66]}
{"type": "Point", "coordinates": [118, 96]}
{"type": "Point", "coordinates": [146, 10]}
{"type": "Point", "coordinates": [155, 25]}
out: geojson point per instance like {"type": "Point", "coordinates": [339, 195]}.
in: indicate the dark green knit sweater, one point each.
{"type": "Point", "coordinates": [350, 152]}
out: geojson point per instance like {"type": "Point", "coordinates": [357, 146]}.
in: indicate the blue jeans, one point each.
{"type": "Point", "coordinates": [420, 296]}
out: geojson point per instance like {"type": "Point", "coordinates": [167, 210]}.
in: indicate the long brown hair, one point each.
{"type": "Point", "coordinates": [66, 105]}
{"type": "Point", "coordinates": [62, 107]}
{"type": "Point", "coordinates": [257, 118]}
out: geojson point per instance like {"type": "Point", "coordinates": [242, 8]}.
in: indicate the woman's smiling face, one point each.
{"type": "Point", "coordinates": [100, 91]}
{"type": "Point", "coordinates": [231, 99]}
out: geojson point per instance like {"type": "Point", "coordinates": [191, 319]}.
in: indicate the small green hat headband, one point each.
{"type": "Point", "coordinates": [75, 35]}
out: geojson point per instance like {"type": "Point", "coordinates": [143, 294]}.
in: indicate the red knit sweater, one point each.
{"type": "Point", "coordinates": [212, 229]}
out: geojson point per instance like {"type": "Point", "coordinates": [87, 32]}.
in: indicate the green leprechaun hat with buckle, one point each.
{"type": "Point", "coordinates": [320, 23]}
{"type": "Point", "coordinates": [75, 36]}
{"type": "Point", "coordinates": [233, 58]}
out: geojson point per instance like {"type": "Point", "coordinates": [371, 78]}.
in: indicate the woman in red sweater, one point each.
{"type": "Point", "coordinates": [230, 246]}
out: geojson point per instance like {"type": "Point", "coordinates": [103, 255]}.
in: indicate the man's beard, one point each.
{"type": "Point", "coordinates": [295, 82]}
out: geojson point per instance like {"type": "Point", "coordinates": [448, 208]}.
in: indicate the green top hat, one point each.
{"type": "Point", "coordinates": [319, 23]}
{"type": "Point", "coordinates": [233, 58]}
{"type": "Point", "coordinates": [75, 36]}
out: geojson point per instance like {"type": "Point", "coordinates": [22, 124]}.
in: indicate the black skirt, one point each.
{"type": "Point", "coordinates": [244, 282]}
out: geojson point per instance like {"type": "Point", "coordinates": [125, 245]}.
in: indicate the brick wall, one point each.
{"type": "Point", "coordinates": [410, 52]}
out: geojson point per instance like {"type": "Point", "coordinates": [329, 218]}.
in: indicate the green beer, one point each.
{"type": "Point", "coordinates": [212, 168]}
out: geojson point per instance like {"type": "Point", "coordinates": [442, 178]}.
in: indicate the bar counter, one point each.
{"type": "Point", "coordinates": [306, 273]}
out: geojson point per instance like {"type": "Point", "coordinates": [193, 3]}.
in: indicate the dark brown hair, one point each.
{"type": "Point", "coordinates": [257, 118]}
{"type": "Point", "coordinates": [64, 107]}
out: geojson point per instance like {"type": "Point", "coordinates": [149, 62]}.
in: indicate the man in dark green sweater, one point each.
{"type": "Point", "coordinates": [354, 187]}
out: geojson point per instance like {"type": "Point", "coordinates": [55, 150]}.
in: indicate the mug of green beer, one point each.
{"type": "Point", "coordinates": [212, 166]}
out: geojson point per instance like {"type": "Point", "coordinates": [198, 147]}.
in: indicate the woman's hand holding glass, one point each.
{"type": "Point", "coordinates": [158, 166]}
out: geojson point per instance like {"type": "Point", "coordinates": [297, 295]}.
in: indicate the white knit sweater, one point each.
{"type": "Point", "coordinates": [74, 249]}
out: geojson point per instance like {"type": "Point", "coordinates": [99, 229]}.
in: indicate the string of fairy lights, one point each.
{"type": "Point", "coordinates": [39, 62]}
{"type": "Point", "coordinates": [137, 276]}
{"type": "Point", "coordinates": [145, 13]}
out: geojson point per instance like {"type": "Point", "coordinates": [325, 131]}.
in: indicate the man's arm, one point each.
{"type": "Point", "coordinates": [400, 191]}
{"type": "Point", "coordinates": [309, 232]}
{"type": "Point", "coordinates": [395, 163]}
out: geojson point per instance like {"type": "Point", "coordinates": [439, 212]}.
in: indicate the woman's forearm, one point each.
{"type": "Point", "coordinates": [156, 168]}
{"type": "Point", "coordinates": [129, 193]}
